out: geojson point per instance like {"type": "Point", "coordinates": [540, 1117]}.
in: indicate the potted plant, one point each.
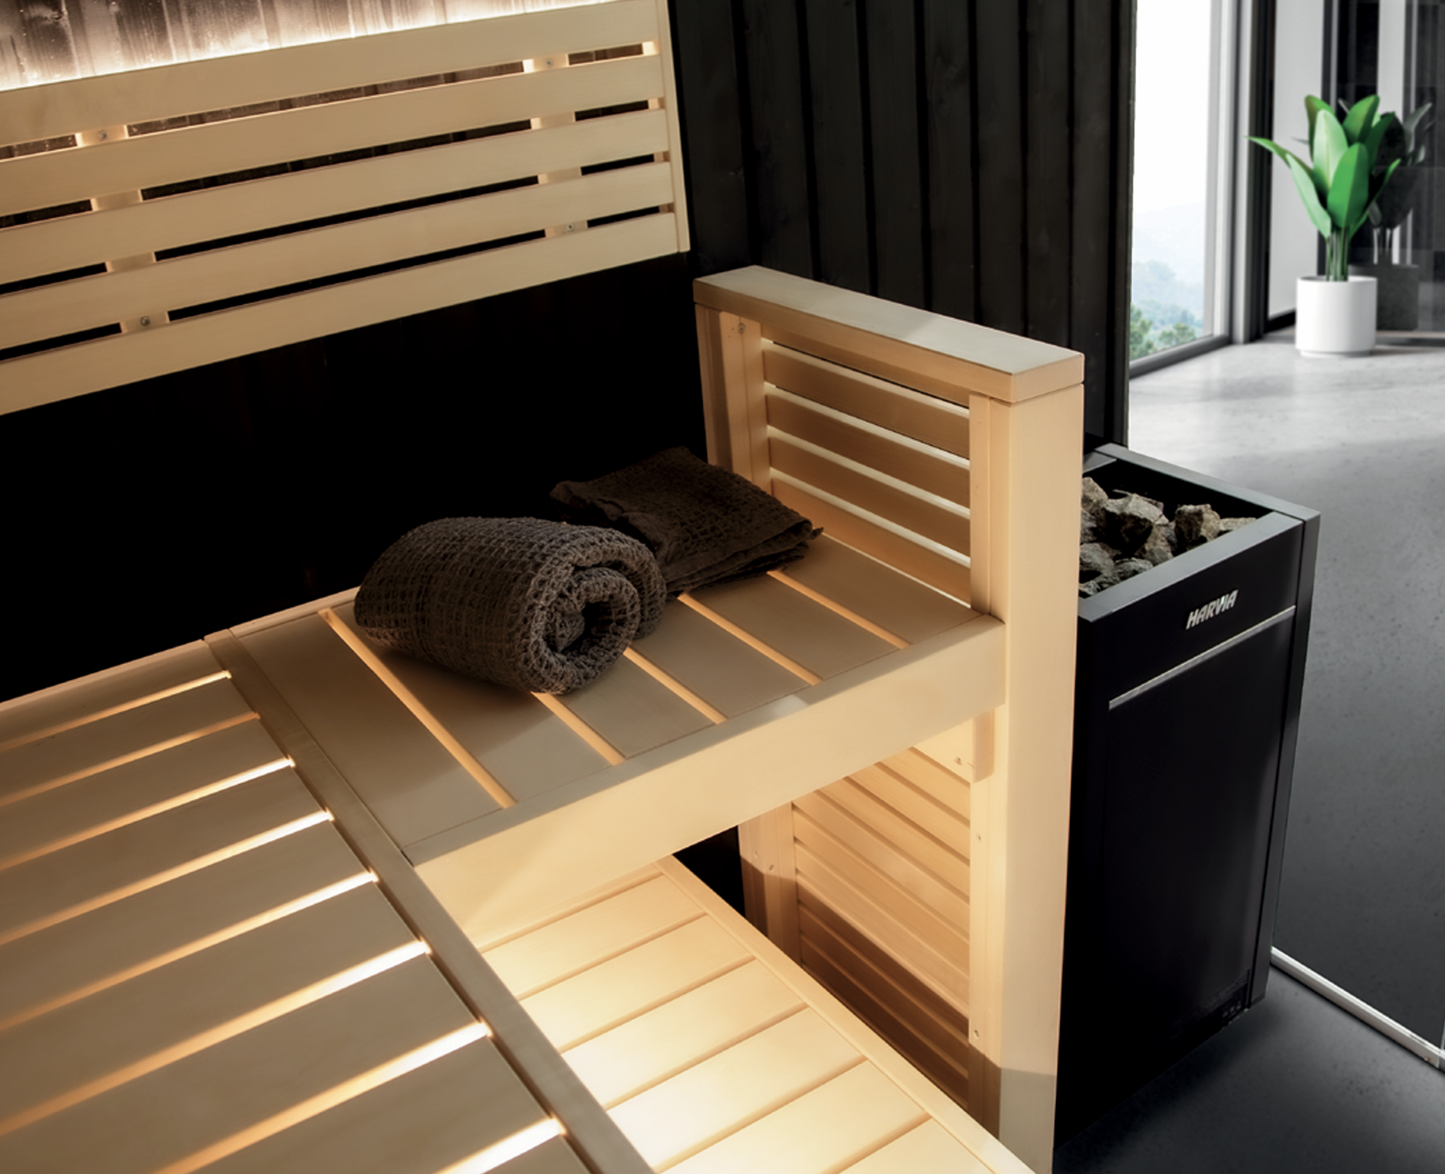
{"type": "Point", "coordinates": [1335, 313]}
{"type": "Point", "coordinates": [1398, 286]}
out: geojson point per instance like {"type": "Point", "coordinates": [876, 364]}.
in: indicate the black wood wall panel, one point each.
{"type": "Point", "coordinates": [967, 156]}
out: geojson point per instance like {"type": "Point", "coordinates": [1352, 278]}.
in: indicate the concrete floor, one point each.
{"type": "Point", "coordinates": [1296, 1084]}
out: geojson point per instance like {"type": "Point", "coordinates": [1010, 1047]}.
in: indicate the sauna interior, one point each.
{"type": "Point", "coordinates": [277, 898]}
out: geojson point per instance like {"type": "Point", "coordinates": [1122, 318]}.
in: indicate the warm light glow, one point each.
{"type": "Point", "coordinates": [136, 816]}
{"type": "Point", "coordinates": [160, 878]}
{"type": "Point", "coordinates": [711, 712]}
{"type": "Point", "coordinates": [750, 640]}
{"type": "Point", "coordinates": [834, 606]}
{"type": "Point", "coordinates": [136, 703]}
{"type": "Point", "coordinates": [582, 729]}
{"type": "Point", "coordinates": [464, 757]}
{"type": "Point", "coordinates": [123, 759]}
{"type": "Point", "coordinates": [504, 1151]}
{"type": "Point", "coordinates": [192, 947]}
{"type": "Point", "coordinates": [328, 1099]}
{"type": "Point", "coordinates": [197, 1043]}
{"type": "Point", "coordinates": [111, 42]}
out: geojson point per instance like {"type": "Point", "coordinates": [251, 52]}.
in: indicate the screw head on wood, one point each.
{"type": "Point", "coordinates": [145, 320]}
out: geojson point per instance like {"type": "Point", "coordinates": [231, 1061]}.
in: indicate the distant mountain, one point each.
{"type": "Point", "coordinates": [1174, 236]}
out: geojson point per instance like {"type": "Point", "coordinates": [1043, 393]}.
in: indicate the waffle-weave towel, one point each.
{"type": "Point", "coordinates": [533, 604]}
{"type": "Point", "coordinates": [704, 524]}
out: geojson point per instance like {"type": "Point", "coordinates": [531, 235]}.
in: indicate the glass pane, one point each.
{"type": "Point", "coordinates": [1294, 243]}
{"type": "Point", "coordinates": [1172, 282]}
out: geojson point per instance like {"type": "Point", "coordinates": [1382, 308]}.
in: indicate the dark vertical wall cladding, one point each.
{"type": "Point", "coordinates": [967, 156]}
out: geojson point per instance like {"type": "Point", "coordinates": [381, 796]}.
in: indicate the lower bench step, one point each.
{"type": "Point", "coordinates": [714, 1052]}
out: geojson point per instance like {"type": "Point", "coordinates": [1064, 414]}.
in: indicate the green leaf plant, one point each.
{"type": "Point", "coordinates": [1339, 185]}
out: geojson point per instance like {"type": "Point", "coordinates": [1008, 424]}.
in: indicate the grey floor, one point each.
{"type": "Point", "coordinates": [1296, 1084]}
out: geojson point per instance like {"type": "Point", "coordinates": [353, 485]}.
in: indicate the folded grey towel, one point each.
{"type": "Point", "coordinates": [704, 524]}
{"type": "Point", "coordinates": [537, 605]}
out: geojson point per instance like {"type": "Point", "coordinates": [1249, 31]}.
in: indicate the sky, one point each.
{"type": "Point", "coordinates": [1171, 103]}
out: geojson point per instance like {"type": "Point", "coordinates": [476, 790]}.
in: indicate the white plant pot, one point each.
{"type": "Point", "coordinates": [1335, 319]}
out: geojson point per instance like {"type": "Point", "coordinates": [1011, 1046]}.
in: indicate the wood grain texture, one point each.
{"type": "Point", "coordinates": [889, 405]}
{"type": "Point", "coordinates": [226, 83]}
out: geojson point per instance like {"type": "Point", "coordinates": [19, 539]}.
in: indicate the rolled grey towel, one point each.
{"type": "Point", "coordinates": [536, 605]}
{"type": "Point", "coordinates": [704, 524]}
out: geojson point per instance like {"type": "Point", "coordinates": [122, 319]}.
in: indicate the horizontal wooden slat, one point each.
{"type": "Point", "coordinates": [922, 563]}
{"type": "Point", "coordinates": [889, 405]}
{"type": "Point", "coordinates": [55, 246]}
{"type": "Point", "coordinates": [69, 307]}
{"type": "Point", "coordinates": [100, 948]}
{"type": "Point", "coordinates": [801, 629]}
{"type": "Point", "coordinates": [47, 111]}
{"type": "Point", "coordinates": [108, 362]}
{"type": "Point", "coordinates": [932, 352]}
{"type": "Point", "coordinates": [632, 710]}
{"type": "Point", "coordinates": [366, 731]}
{"type": "Point", "coordinates": [85, 749]}
{"type": "Point", "coordinates": [889, 786]}
{"type": "Point", "coordinates": [423, 1122]}
{"type": "Point", "coordinates": [198, 996]}
{"type": "Point", "coordinates": [714, 1099]}
{"type": "Point", "coordinates": [940, 962]}
{"type": "Point", "coordinates": [665, 1040]}
{"type": "Point", "coordinates": [932, 471]}
{"type": "Point", "coordinates": [922, 515]}
{"type": "Point", "coordinates": [208, 1098]}
{"type": "Point", "coordinates": [514, 737]}
{"type": "Point", "coordinates": [936, 1049]}
{"type": "Point", "coordinates": [825, 859]}
{"type": "Point", "coordinates": [563, 948]}
{"type": "Point", "coordinates": [875, 591]}
{"type": "Point", "coordinates": [719, 668]}
{"type": "Point", "coordinates": [96, 872]}
{"type": "Point", "coordinates": [616, 990]}
{"type": "Point", "coordinates": [38, 715]}
{"type": "Point", "coordinates": [925, 1150]}
{"type": "Point", "coordinates": [91, 805]}
{"type": "Point", "coordinates": [849, 1117]}
{"type": "Point", "coordinates": [940, 783]}
{"type": "Point", "coordinates": [895, 847]}
{"type": "Point", "coordinates": [220, 148]}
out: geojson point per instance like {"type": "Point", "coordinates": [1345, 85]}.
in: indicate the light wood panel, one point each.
{"type": "Point", "coordinates": [930, 352]}
{"type": "Point", "coordinates": [257, 204]}
{"type": "Point", "coordinates": [931, 470]}
{"type": "Point", "coordinates": [889, 405]}
{"type": "Point", "coordinates": [203, 278]}
{"type": "Point", "coordinates": [224, 83]}
{"type": "Point", "coordinates": [921, 515]}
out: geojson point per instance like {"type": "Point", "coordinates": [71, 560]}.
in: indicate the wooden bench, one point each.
{"type": "Point", "coordinates": [282, 900]}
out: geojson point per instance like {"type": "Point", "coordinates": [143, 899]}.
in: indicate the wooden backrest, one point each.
{"type": "Point", "coordinates": [199, 211]}
{"type": "Point", "coordinates": [868, 417]}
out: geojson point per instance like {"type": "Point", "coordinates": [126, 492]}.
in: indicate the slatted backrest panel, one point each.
{"type": "Point", "coordinates": [196, 970]}
{"type": "Point", "coordinates": [200, 211]}
{"type": "Point", "coordinates": [878, 464]}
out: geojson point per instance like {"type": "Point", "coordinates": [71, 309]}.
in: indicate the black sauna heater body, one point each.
{"type": "Point", "coordinates": [1186, 711]}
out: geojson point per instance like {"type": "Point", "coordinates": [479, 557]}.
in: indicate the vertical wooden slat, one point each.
{"type": "Point", "coordinates": [1048, 168]}
{"type": "Point", "coordinates": [1102, 162]}
{"type": "Point", "coordinates": [839, 161]}
{"type": "Point", "coordinates": [896, 158]}
{"type": "Point", "coordinates": [1001, 192]}
{"type": "Point", "coordinates": [783, 210]}
{"type": "Point", "coordinates": [952, 160]}
{"type": "Point", "coordinates": [712, 97]}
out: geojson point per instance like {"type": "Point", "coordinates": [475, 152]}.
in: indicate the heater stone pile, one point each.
{"type": "Point", "coordinates": [1123, 534]}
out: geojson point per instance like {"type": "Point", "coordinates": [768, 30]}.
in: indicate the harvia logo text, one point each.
{"type": "Point", "coordinates": [1211, 609]}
